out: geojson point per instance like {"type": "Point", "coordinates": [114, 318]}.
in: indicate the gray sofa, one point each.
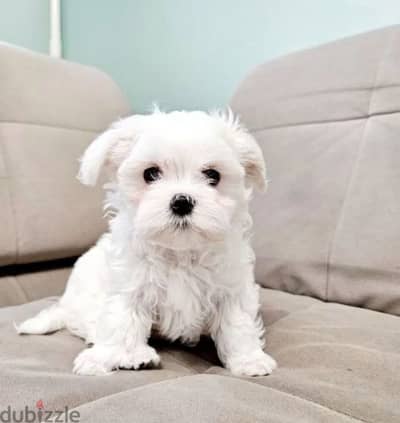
{"type": "Point", "coordinates": [327, 239]}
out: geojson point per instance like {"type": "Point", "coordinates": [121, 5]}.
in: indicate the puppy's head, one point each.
{"type": "Point", "coordinates": [186, 175]}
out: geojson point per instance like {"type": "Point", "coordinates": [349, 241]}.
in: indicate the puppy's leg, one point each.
{"type": "Point", "coordinates": [238, 336]}
{"type": "Point", "coordinates": [120, 340]}
{"type": "Point", "coordinates": [48, 320]}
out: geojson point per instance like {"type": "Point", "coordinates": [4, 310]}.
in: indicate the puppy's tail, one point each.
{"type": "Point", "coordinates": [48, 320]}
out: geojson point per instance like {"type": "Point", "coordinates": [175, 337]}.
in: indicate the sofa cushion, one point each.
{"type": "Point", "coordinates": [31, 282]}
{"type": "Point", "coordinates": [328, 121]}
{"type": "Point", "coordinates": [50, 110]}
{"type": "Point", "coordinates": [336, 363]}
{"type": "Point", "coordinates": [207, 398]}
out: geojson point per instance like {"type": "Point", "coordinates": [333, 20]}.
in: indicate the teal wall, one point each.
{"type": "Point", "coordinates": [192, 53]}
{"type": "Point", "coordinates": [25, 23]}
{"type": "Point", "coordinates": [189, 53]}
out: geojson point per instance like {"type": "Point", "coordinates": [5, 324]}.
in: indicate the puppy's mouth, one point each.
{"type": "Point", "coordinates": [181, 224]}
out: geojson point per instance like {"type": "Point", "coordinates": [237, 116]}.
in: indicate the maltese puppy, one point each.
{"type": "Point", "coordinates": [177, 256]}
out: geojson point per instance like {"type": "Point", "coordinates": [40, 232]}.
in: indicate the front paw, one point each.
{"type": "Point", "coordinates": [96, 361]}
{"type": "Point", "coordinates": [142, 357]}
{"type": "Point", "coordinates": [257, 363]}
{"type": "Point", "coordinates": [102, 360]}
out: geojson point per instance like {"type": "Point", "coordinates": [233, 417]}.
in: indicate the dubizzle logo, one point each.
{"type": "Point", "coordinates": [39, 415]}
{"type": "Point", "coordinates": [39, 404]}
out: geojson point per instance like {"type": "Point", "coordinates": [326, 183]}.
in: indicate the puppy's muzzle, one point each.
{"type": "Point", "coordinates": [182, 204]}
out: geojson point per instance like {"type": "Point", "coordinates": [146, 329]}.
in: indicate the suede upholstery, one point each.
{"type": "Point", "coordinates": [50, 110]}
{"type": "Point", "coordinates": [327, 233]}
{"type": "Point", "coordinates": [337, 364]}
{"type": "Point", "coordinates": [328, 122]}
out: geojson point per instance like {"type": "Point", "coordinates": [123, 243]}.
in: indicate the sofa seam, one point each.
{"type": "Point", "coordinates": [291, 315]}
{"type": "Point", "coordinates": [354, 170]}
{"type": "Point", "coordinates": [27, 299]}
{"type": "Point", "coordinates": [286, 291]}
{"type": "Point", "coordinates": [322, 122]}
{"type": "Point", "coordinates": [308, 400]}
{"type": "Point", "coordinates": [175, 360]}
{"type": "Point", "coordinates": [19, 289]}
{"type": "Point", "coordinates": [11, 198]}
{"type": "Point", "coordinates": [340, 215]}
{"type": "Point", "coordinates": [343, 90]}
{"type": "Point", "coordinates": [48, 125]}
{"type": "Point", "coordinates": [134, 389]}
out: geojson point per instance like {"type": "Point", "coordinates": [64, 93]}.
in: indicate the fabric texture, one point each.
{"type": "Point", "coordinates": [336, 364]}
{"type": "Point", "coordinates": [50, 110]}
{"type": "Point", "coordinates": [33, 284]}
{"type": "Point", "coordinates": [328, 121]}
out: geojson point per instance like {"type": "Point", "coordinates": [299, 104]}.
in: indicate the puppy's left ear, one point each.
{"type": "Point", "coordinates": [249, 152]}
{"type": "Point", "coordinates": [251, 158]}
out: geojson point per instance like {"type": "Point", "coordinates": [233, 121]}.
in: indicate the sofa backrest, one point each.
{"type": "Point", "coordinates": [50, 110]}
{"type": "Point", "coordinates": [328, 121]}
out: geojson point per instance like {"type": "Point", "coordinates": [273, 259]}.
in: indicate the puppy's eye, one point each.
{"type": "Point", "coordinates": [151, 174]}
{"type": "Point", "coordinates": [213, 176]}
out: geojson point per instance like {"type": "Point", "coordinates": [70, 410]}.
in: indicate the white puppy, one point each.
{"type": "Point", "coordinates": [177, 257]}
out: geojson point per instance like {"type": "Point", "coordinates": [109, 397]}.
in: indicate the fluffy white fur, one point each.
{"type": "Point", "coordinates": [183, 276]}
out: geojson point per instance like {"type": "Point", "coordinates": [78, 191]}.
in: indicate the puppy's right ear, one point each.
{"type": "Point", "coordinates": [111, 147]}
{"type": "Point", "coordinates": [95, 156]}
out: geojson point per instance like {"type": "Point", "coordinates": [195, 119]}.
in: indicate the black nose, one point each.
{"type": "Point", "coordinates": [182, 204]}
